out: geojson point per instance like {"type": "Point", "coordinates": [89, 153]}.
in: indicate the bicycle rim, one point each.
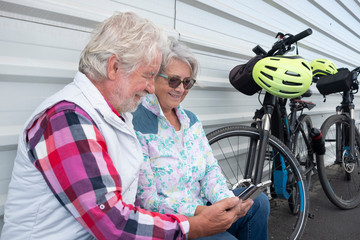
{"type": "Point", "coordinates": [230, 146]}
{"type": "Point", "coordinates": [302, 148]}
{"type": "Point", "coordinates": [339, 175]}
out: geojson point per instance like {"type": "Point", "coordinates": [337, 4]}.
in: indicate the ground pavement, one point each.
{"type": "Point", "coordinates": [328, 222]}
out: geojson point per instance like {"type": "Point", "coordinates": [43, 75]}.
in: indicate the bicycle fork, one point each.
{"type": "Point", "coordinates": [258, 151]}
{"type": "Point", "coordinates": [345, 148]}
{"type": "Point", "coordinates": [261, 144]}
{"type": "Point", "coordinates": [264, 139]}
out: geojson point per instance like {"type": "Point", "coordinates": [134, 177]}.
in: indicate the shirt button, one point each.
{"type": "Point", "coordinates": [102, 206]}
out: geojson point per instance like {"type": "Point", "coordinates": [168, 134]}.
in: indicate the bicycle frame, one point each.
{"type": "Point", "coordinates": [293, 125]}
{"type": "Point", "coordinates": [273, 115]}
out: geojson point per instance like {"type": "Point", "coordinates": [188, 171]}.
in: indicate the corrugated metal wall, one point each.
{"type": "Point", "coordinates": [40, 42]}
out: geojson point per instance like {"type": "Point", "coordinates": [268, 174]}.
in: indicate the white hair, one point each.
{"type": "Point", "coordinates": [132, 39]}
{"type": "Point", "coordinates": [179, 51]}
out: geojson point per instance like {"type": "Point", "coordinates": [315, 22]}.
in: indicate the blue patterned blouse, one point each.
{"type": "Point", "coordinates": [176, 175]}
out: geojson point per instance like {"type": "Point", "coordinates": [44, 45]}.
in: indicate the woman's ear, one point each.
{"type": "Point", "coordinates": [113, 67]}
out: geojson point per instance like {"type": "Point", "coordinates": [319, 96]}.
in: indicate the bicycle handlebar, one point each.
{"type": "Point", "coordinates": [299, 36]}
{"type": "Point", "coordinates": [283, 45]}
{"type": "Point", "coordinates": [356, 70]}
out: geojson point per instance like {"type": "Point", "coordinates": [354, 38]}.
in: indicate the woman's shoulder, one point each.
{"type": "Point", "coordinates": [192, 116]}
{"type": "Point", "coordinates": [144, 120]}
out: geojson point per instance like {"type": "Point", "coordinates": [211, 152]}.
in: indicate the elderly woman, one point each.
{"type": "Point", "coordinates": [180, 174]}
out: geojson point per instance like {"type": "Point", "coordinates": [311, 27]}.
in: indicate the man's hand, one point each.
{"type": "Point", "coordinates": [217, 217]}
{"type": "Point", "coordinates": [199, 209]}
{"type": "Point", "coordinates": [244, 207]}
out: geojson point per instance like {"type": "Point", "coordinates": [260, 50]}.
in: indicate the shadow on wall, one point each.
{"type": "Point", "coordinates": [1, 223]}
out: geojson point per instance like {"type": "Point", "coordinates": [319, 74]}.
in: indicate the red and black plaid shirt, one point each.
{"type": "Point", "coordinates": [69, 150]}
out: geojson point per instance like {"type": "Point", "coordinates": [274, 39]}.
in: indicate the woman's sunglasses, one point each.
{"type": "Point", "coordinates": [175, 81]}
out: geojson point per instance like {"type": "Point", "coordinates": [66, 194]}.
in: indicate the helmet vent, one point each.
{"type": "Point", "coordinates": [267, 75]}
{"type": "Point", "coordinates": [292, 74]}
{"type": "Point", "coordinates": [286, 92]}
{"type": "Point", "coordinates": [265, 83]}
{"type": "Point", "coordinates": [271, 68]}
{"type": "Point", "coordinates": [305, 65]}
{"type": "Point", "coordinates": [291, 83]}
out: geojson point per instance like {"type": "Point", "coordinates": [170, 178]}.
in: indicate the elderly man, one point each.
{"type": "Point", "coordinates": [76, 171]}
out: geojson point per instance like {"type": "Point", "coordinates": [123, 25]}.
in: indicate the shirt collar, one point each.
{"type": "Point", "coordinates": [114, 110]}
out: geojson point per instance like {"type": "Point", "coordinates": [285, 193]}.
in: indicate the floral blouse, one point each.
{"type": "Point", "coordinates": [177, 175]}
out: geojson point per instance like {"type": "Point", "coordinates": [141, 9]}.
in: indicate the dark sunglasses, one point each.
{"type": "Point", "coordinates": [175, 81]}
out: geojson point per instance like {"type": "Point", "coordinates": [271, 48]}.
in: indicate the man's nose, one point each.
{"type": "Point", "coordinates": [150, 86]}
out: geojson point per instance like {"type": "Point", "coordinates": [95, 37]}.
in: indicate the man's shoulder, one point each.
{"type": "Point", "coordinates": [66, 106]}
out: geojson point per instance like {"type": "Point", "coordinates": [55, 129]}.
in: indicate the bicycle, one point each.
{"type": "Point", "coordinates": [253, 153]}
{"type": "Point", "coordinates": [295, 131]}
{"type": "Point", "coordinates": [339, 170]}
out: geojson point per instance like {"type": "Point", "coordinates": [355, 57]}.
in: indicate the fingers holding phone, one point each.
{"type": "Point", "coordinates": [245, 205]}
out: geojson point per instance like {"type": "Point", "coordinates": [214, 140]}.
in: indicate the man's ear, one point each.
{"type": "Point", "coordinates": [113, 67]}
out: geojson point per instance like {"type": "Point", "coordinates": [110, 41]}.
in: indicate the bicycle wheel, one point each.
{"type": "Point", "coordinates": [339, 173]}
{"type": "Point", "coordinates": [230, 146]}
{"type": "Point", "coordinates": [301, 146]}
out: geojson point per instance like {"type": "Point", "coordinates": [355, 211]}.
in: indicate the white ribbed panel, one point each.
{"type": "Point", "coordinates": [41, 40]}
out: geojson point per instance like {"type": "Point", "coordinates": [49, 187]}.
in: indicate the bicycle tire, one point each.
{"type": "Point", "coordinates": [340, 186]}
{"type": "Point", "coordinates": [230, 144]}
{"type": "Point", "coordinates": [303, 151]}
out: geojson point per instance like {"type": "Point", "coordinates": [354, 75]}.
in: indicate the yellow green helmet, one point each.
{"type": "Point", "coordinates": [283, 76]}
{"type": "Point", "coordinates": [322, 66]}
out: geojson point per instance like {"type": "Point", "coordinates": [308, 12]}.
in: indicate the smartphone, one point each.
{"type": "Point", "coordinates": [254, 190]}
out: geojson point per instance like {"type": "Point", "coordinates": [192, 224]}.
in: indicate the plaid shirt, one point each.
{"type": "Point", "coordinates": [68, 149]}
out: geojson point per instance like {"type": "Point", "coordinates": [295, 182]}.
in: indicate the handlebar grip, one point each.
{"type": "Point", "coordinates": [299, 36]}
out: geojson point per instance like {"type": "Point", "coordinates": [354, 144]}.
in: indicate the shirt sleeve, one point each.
{"type": "Point", "coordinates": [213, 184]}
{"type": "Point", "coordinates": [147, 194]}
{"type": "Point", "coordinates": [151, 198]}
{"type": "Point", "coordinates": [70, 152]}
